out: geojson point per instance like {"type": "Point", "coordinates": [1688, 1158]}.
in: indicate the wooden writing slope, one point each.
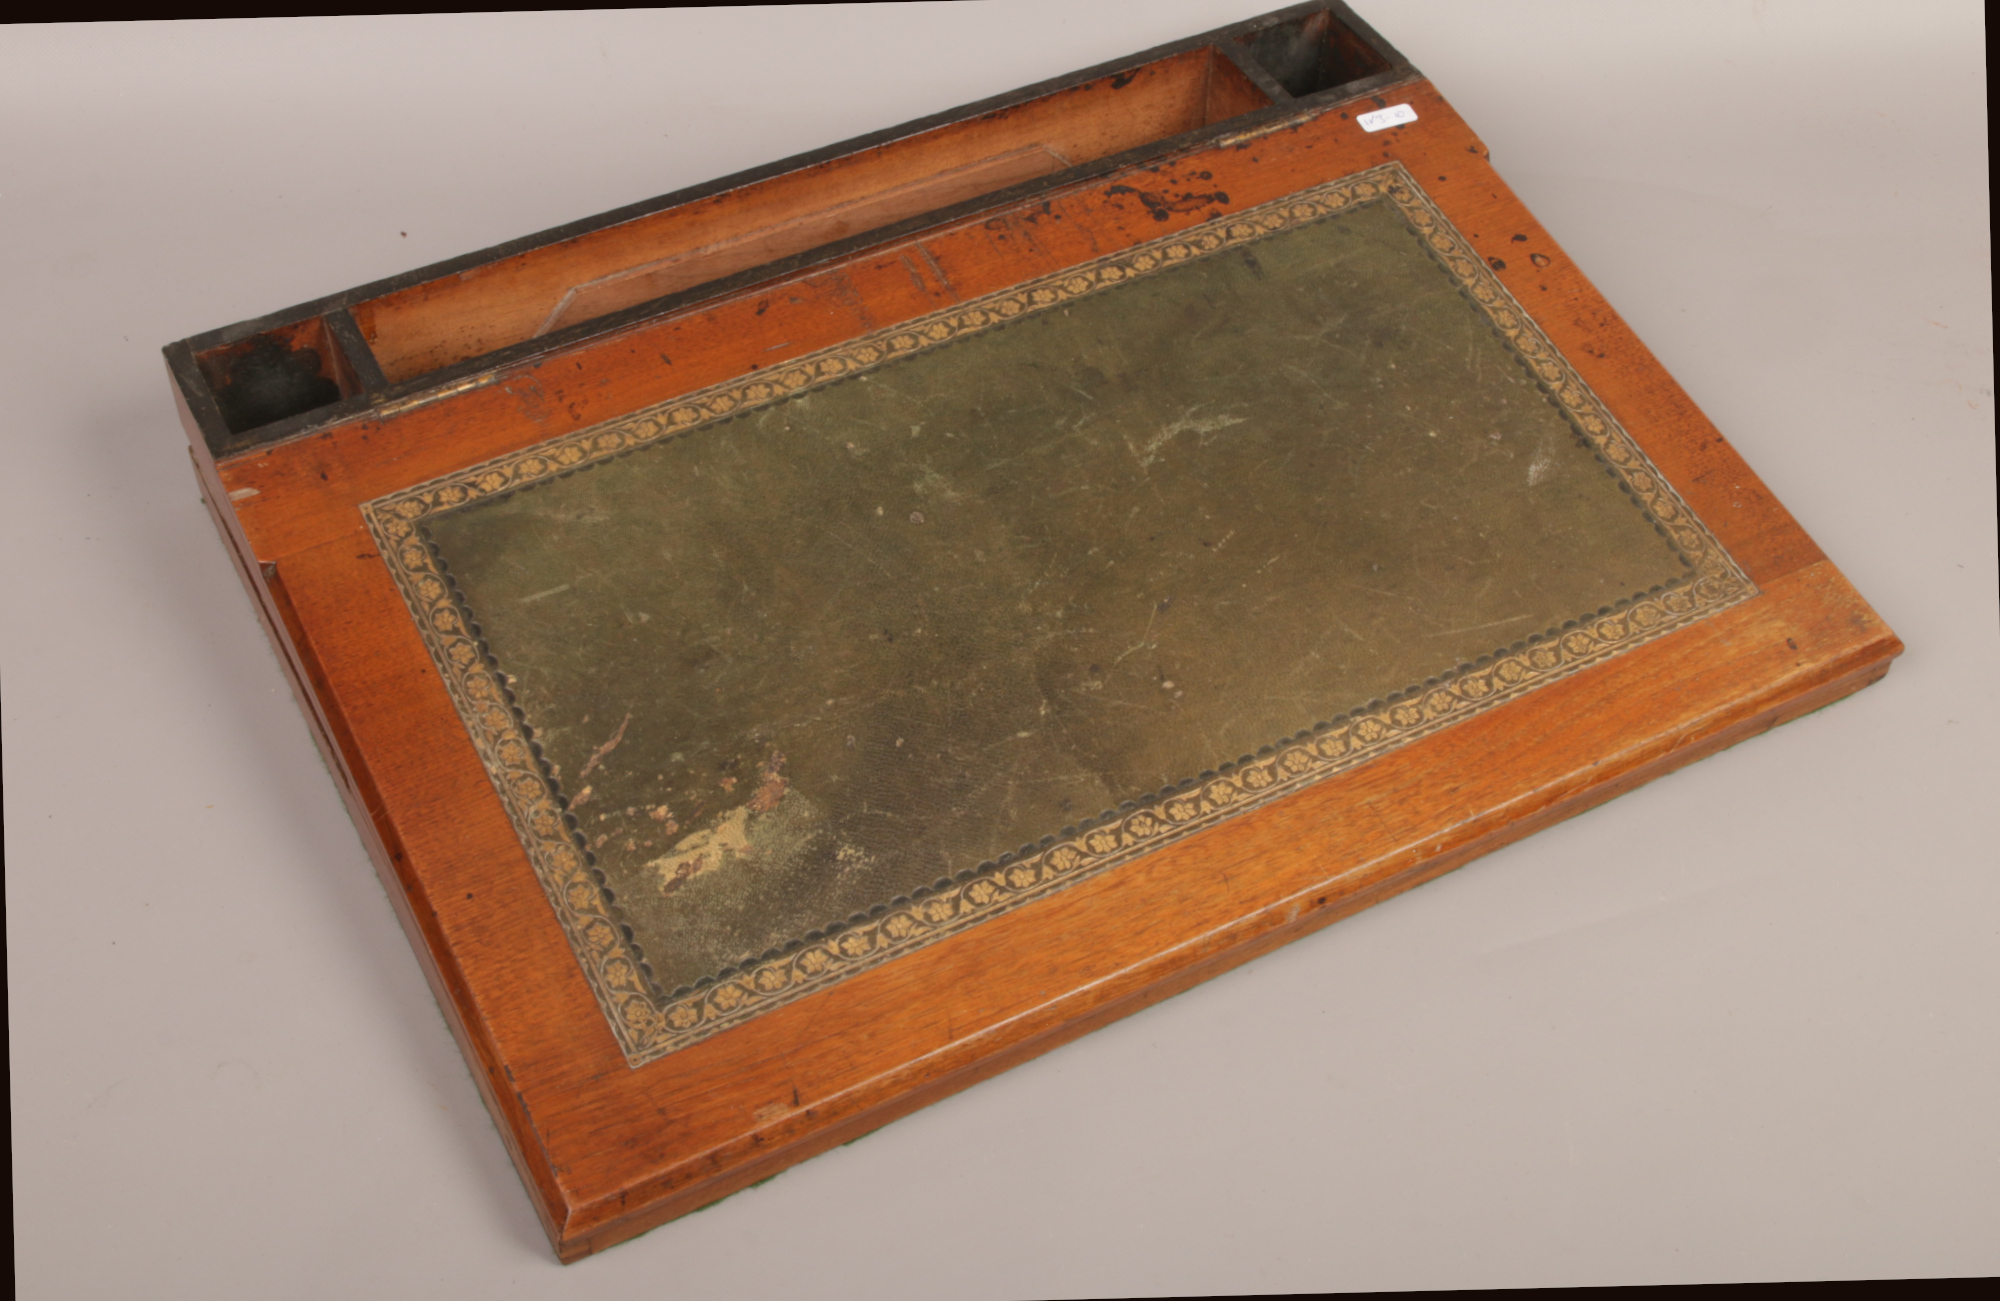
{"type": "Point", "coordinates": [804, 644]}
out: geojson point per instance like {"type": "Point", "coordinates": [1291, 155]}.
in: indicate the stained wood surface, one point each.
{"type": "Point", "coordinates": [608, 1151]}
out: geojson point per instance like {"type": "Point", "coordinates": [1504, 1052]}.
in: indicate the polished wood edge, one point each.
{"type": "Point", "coordinates": [591, 1227]}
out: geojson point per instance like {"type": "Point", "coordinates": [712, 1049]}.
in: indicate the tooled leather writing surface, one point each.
{"type": "Point", "coordinates": [796, 664]}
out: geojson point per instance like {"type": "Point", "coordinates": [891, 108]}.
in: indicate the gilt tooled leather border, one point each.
{"type": "Point", "coordinates": [648, 1024]}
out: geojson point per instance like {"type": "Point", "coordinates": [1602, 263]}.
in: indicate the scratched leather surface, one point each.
{"type": "Point", "coordinates": [876, 635]}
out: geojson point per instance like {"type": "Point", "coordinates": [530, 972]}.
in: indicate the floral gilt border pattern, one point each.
{"type": "Point", "coordinates": [648, 1025]}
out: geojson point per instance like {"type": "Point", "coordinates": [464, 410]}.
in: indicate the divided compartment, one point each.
{"type": "Point", "coordinates": [1312, 53]}
{"type": "Point", "coordinates": [457, 317]}
{"type": "Point", "coordinates": [279, 373]}
{"type": "Point", "coordinates": [273, 381]}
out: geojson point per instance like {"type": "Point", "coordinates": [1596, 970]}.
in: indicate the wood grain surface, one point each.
{"type": "Point", "coordinates": [608, 1151]}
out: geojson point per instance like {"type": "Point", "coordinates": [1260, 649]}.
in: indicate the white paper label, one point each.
{"type": "Point", "coordinates": [1394, 115]}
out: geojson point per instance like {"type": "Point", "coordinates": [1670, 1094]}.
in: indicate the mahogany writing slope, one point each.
{"type": "Point", "coordinates": [803, 644]}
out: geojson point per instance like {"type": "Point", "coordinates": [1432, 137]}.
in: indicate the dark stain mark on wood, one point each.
{"type": "Point", "coordinates": [1162, 205]}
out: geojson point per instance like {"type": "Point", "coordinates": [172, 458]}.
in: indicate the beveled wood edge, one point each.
{"type": "Point", "coordinates": [591, 1227]}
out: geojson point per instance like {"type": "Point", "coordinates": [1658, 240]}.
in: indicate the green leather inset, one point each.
{"type": "Point", "coordinates": [801, 662]}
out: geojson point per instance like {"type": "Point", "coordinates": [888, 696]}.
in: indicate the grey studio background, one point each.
{"type": "Point", "coordinates": [1738, 1025]}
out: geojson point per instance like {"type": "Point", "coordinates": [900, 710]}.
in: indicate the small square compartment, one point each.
{"type": "Point", "coordinates": [277, 374]}
{"type": "Point", "coordinates": [1312, 53]}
